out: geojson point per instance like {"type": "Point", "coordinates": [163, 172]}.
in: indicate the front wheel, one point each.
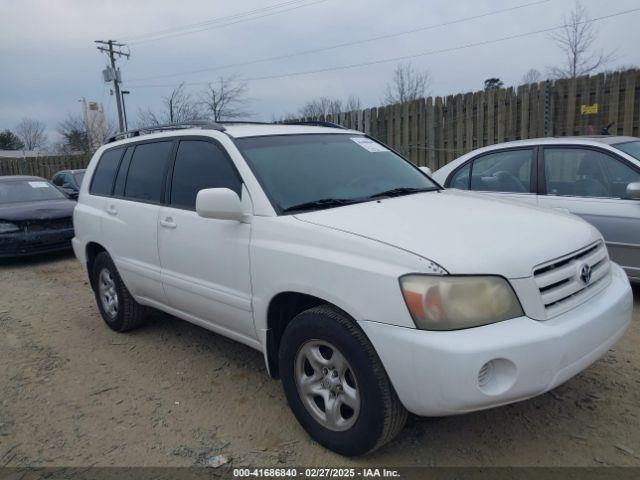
{"type": "Point", "coordinates": [335, 383]}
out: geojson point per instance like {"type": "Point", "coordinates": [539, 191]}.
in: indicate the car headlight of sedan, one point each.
{"type": "Point", "coordinates": [8, 227]}
{"type": "Point", "coordinates": [452, 303]}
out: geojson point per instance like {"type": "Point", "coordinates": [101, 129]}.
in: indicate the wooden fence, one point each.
{"type": "Point", "coordinates": [42, 166]}
{"type": "Point", "coordinates": [435, 131]}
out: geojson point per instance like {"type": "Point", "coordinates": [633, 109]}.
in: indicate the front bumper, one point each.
{"type": "Point", "coordinates": [439, 373]}
{"type": "Point", "coordinates": [21, 244]}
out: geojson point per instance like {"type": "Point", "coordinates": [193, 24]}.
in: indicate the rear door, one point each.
{"type": "Point", "coordinates": [508, 174]}
{"type": "Point", "coordinates": [130, 226]}
{"type": "Point", "coordinates": [205, 262]}
{"type": "Point", "coordinates": [592, 183]}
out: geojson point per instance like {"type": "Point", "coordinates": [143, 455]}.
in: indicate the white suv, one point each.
{"type": "Point", "coordinates": [370, 290]}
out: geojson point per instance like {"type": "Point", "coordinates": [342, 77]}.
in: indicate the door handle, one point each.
{"type": "Point", "coordinates": [168, 223]}
{"type": "Point", "coordinates": [111, 210]}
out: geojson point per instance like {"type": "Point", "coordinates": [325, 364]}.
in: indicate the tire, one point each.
{"type": "Point", "coordinates": [128, 314]}
{"type": "Point", "coordinates": [364, 420]}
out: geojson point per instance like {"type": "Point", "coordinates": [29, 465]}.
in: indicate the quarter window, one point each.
{"type": "Point", "coordinates": [200, 165]}
{"type": "Point", "coordinates": [147, 171]}
{"type": "Point", "coordinates": [506, 171]}
{"type": "Point", "coordinates": [583, 172]}
{"type": "Point", "coordinates": [102, 182]}
{"type": "Point", "coordinates": [460, 179]}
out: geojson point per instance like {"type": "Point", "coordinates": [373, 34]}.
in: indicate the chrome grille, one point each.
{"type": "Point", "coordinates": [567, 281]}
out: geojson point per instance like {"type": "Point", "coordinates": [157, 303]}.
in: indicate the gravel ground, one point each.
{"type": "Point", "coordinates": [74, 393]}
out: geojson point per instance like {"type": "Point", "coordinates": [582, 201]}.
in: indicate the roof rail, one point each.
{"type": "Point", "coordinates": [317, 123]}
{"type": "Point", "coordinates": [166, 127]}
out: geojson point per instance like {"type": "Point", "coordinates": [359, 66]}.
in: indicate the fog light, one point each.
{"type": "Point", "coordinates": [497, 376]}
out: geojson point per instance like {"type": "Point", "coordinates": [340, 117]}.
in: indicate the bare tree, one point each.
{"type": "Point", "coordinates": [225, 99]}
{"type": "Point", "coordinates": [32, 133]}
{"type": "Point", "coordinates": [576, 39]}
{"type": "Point", "coordinates": [179, 106]}
{"type": "Point", "coordinates": [408, 84]}
{"type": "Point", "coordinates": [532, 76]}
{"type": "Point", "coordinates": [80, 136]}
{"type": "Point", "coordinates": [352, 104]}
{"type": "Point", "coordinates": [321, 107]}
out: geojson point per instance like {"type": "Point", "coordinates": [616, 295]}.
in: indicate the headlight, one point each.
{"type": "Point", "coordinates": [7, 227]}
{"type": "Point", "coordinates": [451, 303]}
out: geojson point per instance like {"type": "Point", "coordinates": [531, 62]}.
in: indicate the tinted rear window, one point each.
{"type": "Point", "coordinates": [147, 170]}
{"type": "Point", "coordinates": [105, 172]}
{"type": "Point", "coordinates": [200, 165]}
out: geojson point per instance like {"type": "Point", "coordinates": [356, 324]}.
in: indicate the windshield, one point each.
{"type": "Point", "coordinates": [28, 191]}
{"type": "Point", "coordinates": [630, 148]}
{"type": "Point", "coordinates": [78, 176]}
{"type": "Point", "coordinates": [328, 170]}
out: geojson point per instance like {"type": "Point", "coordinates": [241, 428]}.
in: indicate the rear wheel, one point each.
{"type": "Point", "coordinates": [118, 308]}
{"type": "Point", "coordinates": [335, 383]}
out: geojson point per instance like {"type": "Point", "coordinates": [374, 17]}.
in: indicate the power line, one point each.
{"type": "Point", "coordinates": [212, 20]}
{"type": "Point", "coordinates": [240, 20]}
{"type": "Point", "coordinates": [345, 44]}
{"type": "Point", "coordinates": [407, 57]}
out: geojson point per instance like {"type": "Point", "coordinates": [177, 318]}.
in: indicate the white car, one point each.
{"type": "Point", "coordinates": [370, 290]}
{"type": "Point", "coordinates": [596, 178]}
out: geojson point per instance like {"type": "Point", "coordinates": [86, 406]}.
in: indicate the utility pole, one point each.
{"type": "Point", "coordinates": [112, 49]}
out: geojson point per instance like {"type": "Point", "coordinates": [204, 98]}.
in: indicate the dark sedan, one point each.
{"type": "Point", "coordinates": [35, 217]}
{"type": "Point", "coordinates": [69, 181]}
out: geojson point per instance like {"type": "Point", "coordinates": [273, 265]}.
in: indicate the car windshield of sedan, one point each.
{"type": "Point", "coordinates": [78, 176]}
{"type": "Point", "coordinates": [630, 148]}
{"type": "Point", "coordinates": [14, 191]}
{"type": "Point", "coordinates": [314, 171]}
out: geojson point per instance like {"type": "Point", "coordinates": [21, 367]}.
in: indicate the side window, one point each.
{"type": "Point", "coordinates": [460, 179]}
{"type": "Point", "coordinates": [66, 179]}
{"type": "Point", "coordinates": [507, 171]}
{"type": "Point", "coordinates": [58, 180]}
{"type": "Point", "coordinates": [201, 165]}
{"type": "Point", "coordinates": [146, 171]}
{"type": "Point", "coordinates": [582, 172]}
{"type": "Point", "coordinates": [102, 180]}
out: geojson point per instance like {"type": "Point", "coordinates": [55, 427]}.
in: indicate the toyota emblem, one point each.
{"type": "Point", "coordinates": [585, 274]}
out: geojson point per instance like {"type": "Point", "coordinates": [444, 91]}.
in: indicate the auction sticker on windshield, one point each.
{"type": "Point", "coordinates": [369, 144]}
{"type": "Point", "coordinates": [39, 184]}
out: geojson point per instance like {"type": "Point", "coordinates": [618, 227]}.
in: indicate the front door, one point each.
{"type": "Point", "coordinates": [205, 262]}
{"type": "Point", "coordinates": [506, 174]}
{"type": "Point", "coordinates": [592, 184]}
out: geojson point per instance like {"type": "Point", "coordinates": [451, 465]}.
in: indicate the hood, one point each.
{"type": "Point", "coordinates": [47, 209]}
{"type": "Point", "coordinates": [463, 232]}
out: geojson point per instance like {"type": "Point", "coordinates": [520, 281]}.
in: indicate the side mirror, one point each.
{"type": "Point", "coordinates": [426, 170]}
{"type": "Point", "coordinates": [219, 203]}
{"type": "Point", "coordinates": [633, 191]}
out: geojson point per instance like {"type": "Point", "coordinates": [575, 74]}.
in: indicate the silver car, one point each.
{"type": "Point", "coordinates": [597, 178]}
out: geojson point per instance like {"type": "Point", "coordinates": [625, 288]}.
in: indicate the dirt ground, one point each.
{"type": "Point", "coordinates": [74, 393]}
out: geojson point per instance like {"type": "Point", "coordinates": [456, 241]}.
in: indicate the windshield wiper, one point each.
{"type": "Point", "coordinates": [318, 204]}
{"type": "Point", "coordinates": [396, 192]}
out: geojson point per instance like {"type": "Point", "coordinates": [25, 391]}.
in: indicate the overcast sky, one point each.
{"type": "Point", "coordinates": [49, 60]}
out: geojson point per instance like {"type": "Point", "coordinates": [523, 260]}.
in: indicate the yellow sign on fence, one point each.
{"type": "Point", "coordinates": [589, 109]}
